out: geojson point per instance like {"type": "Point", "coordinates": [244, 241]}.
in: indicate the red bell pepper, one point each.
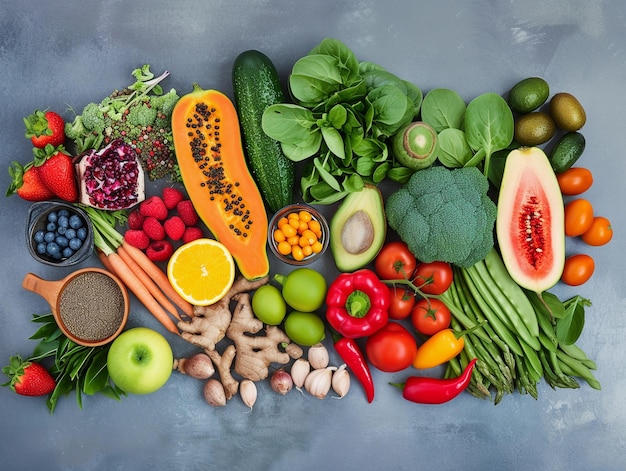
{"type": "Point", "coordinates": [424, 390]}
{"type": "Point", "coordinates": [357, 304]}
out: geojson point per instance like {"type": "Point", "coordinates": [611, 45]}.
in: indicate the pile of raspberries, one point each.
{"type": "Point", "coordinates": [159, 221]}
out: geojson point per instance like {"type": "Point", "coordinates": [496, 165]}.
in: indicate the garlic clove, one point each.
{"type": "Point", "coordinates": [248, 392]}
{"type": "Point", "coordinates": [341, 381]}
{"type": "Point", "coordinates": [318, 382]}
{"type": "Point", "coordinates": [318, 356]}
{"type": "Point", "coordinates": [299, 371]}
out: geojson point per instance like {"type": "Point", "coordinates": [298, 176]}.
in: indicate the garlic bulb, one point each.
{"type": "Point", "coordinates": [248, 392]}
{"type": "Point", "coordinates": [341, 381]}
{"type": "Point", "coordinates": [299, 371]}
{"type": "Point", "coordinates": [318, 382]}
{"type": "Point", "coordinates": [318, 356]}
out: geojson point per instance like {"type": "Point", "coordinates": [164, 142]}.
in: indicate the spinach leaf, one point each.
{"type": "Point", "coordinates": [443, 108]}
{"type": "Point", "coordinates": [347, 62]}
{"type": "Point", "coordinates": [314, 78]}
{"type": "Point", "coordinates": [488, 125]}
{"type": "Point", "coordinates": [454, 151]}
{"type": "Point", "coordinates": [569, 327]}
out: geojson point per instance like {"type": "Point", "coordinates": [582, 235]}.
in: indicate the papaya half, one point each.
{"type": "Point", "coordinates": [209, 151]}
{"type": "Point", "coordinates": [530, 221]}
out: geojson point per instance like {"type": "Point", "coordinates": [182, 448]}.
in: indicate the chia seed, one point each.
{"type": "Point", "coordinates": [91, 306]}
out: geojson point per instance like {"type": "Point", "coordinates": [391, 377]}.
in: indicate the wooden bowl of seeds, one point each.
{"type": "Point", "coordinates": [90, 305]}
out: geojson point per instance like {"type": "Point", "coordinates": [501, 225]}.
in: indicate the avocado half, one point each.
{"type": "Point", "coordinates": [358, 229]}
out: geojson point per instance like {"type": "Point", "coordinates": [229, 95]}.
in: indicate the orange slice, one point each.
{"type": "Point", "coordinates": [201, 271]}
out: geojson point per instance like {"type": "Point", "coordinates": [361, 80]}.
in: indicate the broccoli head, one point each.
{"type": "Point", "coordinates": [444, 215]}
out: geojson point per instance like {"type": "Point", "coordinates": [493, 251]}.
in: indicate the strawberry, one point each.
{"type": "Point", "coordinates": [174, 227]}
{"type": "Point", "coordinates": [27, 378]}
{"type": "Point", "coordinates": [57, 172]}
{"type": "Point", "coordinates": [160, 250]}
{"type": "Point", "coordinates": [187, 213]}
{"type": "Point", "coordinates": [155, 207]}
{"type": "Point", "coordinates": [45, 127]}
{"type": "Point", "coordinates": [171, 197]}
{"type": "Point", "coordinates": [27, 184]}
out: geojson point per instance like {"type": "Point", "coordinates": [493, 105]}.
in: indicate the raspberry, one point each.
{"type": "Point", "coordinates": [171, 197]}
{"type": "Point", "coordinates": [135, 219]}
{"type": "Point", "coordinates": [153, 228]}
{"type": "Point", "coordinates": [137, 238]}
{"type": "Point", "coordinates": [160, 250]}
{"type": "Point", "coordinates": [192, 233]}
{"type": "Point", "coordinates": [155, 207]}
{"type": "Point", "coordinates": [174, 227]}
{"type": "Point", "coordinates": [187, 213]}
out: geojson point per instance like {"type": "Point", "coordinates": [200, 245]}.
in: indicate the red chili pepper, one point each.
{"type": "Point", "coordinates": [425, 390]}
{"type": "Point", "coordinates": [352, 356]}
{"type": "Point", "coordinates": [357, 304]}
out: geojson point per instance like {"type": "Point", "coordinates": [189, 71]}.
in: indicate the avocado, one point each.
{"type": "Point", "coordinates": [358, 229]}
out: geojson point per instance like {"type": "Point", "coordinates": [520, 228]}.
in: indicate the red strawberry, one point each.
{"type": "Point", "coordinates": [171, 197]}
{"type": "Point", "coordinates": [137, 238]}
{"type": "Point", "coordinates": [160, 250]}
{"type": "Point", "coordinates": [174, 227]}
{"type": "Point", "coordinates": [45, 127]}
{"type": "Point", "coordinates": [187, 213]}
{"type": "Point", "coordinates": [155, 207]}
{"type": "Point", "coordinates": [153, 228]}
{"type": "Point", "coordinates": [28, 378]}
{"type": "Point", "coordinates": [135, 219]}
{"type": "Point", "coordinates": [57, 172]}
{"type": "Point", "coordinates": [192, 233]}
{"type": "Point", "coordinates": [27, 184]}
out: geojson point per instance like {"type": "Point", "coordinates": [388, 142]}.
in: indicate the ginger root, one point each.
{"type": "Point", "coordinates": [209, 323]}
{"type": "Point", "coordinates": [223, 364]}
{"type": "Point", "coordinates": [256, 352]}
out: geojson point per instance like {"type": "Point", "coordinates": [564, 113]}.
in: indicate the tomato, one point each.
{"type": "Point", "coordinates": [433, 277]}
{"type": "Point", "coordinates": [402, 301]}
{"type": "Point", "coordinates": [395, 261]}
{"type": "Point", "coordinates": [575, 180]}
{"type": "Point", "coordinates": [391, 348]}
{"type": "Point", "coordinates": [304, 328]}
{"type": "Point", "coordinates": [578, 269]}
{"type": "Point", "coordinates": [429, 316]}
{"type": "Point", "coordinates": [599, 233]}
{"type": "Point", "coordinates": [268, 305]}
{"type": "Point", "coordinates": [578, 217]}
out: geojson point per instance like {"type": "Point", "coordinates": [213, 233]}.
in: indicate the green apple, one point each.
{"type": "Point", "coordinates": [140, 360]}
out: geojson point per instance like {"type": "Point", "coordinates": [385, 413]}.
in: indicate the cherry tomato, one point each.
{"type": "Point", "coordinates": [433, 277]}
{"type": "Point", "coordinates": [575, 180]}
{"type": "Point", "coordinates": [578, 217]}
{"type": "Point", "coordinates": [429, 316]}
{"type": "Point", "coordinates": [578, 269]}
{"type": "Point", "coordinates": [395, 261]}
{"type": "Point", "coordinates": [391, 348]}
{"type": "Point", "coordinates": [599, 233]}
{"type": "Point", "coordinates": [402, 301]}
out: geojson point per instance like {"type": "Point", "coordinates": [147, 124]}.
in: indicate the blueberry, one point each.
{"type": "Point", "coordinates": [75, 221]}
{"type": "Point", "coordinates": [75, 243]}
{"type": "Point", "coordinates": [67, 252]}
{"type": "Point", "coordinates": [49, 236]}
{"type": "Point", "coordinates": [53, 250]}
{"type": "Point", "coordinates": [62, 241]}
{"type": "Point", "coordinates": [70, 233]}
{"type": "Point", "coordinates": [63, 221]}
{"type": "Point", "coordinates": [64, 212]}
{"type": "Point", "coordinates": [81, 233]}
{"type": "Point", "coordinates": [41, 248]}
{"type": "Point", "coordinates": [52, 216]}
{"type": "Point", "coordinates": [38, 237]}
{"type": "Point", "coordinates": [51, 227]}
{"type": "Point", "coordinates": [61, 230]}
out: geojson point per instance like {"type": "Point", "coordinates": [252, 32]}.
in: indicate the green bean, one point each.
{"type": "Point", "coordinates": [576, 352]}
{"type": "Point", "coordinates": [546, 342]}
{"type": "Point", "coordinates": [533, 360]}
{"type": "Point", "coordinates": [452, 301]}
{"type": "Point", "coordinates": [577, 369]}
{"type": "Point", "coordinates": [502, 330]}
{"type": "Point", "coordinates": [513, 293]}
{"type": "Point", "coordinates": [552, 367]}
{"type": "Point", "coordinates": [546, 327]}
{"type": "Point", "coordinates": [502, 307]}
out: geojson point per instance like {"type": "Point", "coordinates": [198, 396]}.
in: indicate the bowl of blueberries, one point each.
{"type": "Point", "coordinates": [59, 234]}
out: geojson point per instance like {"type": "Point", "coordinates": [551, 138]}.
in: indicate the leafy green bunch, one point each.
{"type": "Point", "coordinates": [343, 115]}
{"type": "Point", "coordinates": [140, 114]}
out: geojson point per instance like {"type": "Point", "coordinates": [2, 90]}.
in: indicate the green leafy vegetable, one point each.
{"type": "Point", "coordinates": [443, 109]}
{"type": "Point", "coordinates": [570, 326]}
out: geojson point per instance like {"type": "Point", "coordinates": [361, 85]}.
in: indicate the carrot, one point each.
{"type": "Point", "coordinates": [140, 291]}
{"type": "Point", "coordinates": [159, 277]}
{"type": "Point", "coordinates": [105, 261]}
{"type": "Point", "coordinates": [148, 282]}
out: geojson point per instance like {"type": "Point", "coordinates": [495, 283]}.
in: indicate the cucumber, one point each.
{"type": "Point", "coordinates": [256, 86]}
{"type": "Point", "coordinates": [567, 151]}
